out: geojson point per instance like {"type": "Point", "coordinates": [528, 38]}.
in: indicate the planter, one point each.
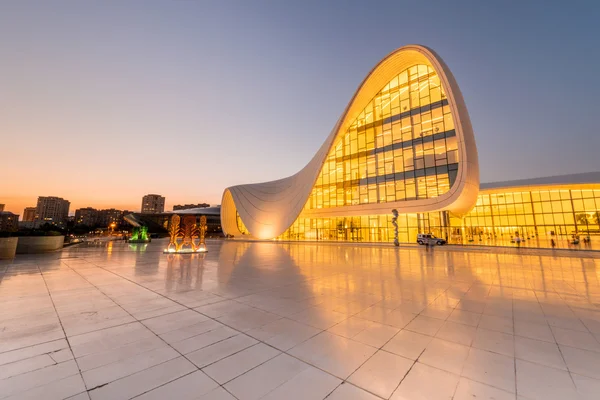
{"type": "Point", "coordinates": [39, 244]}
{"type": "Point", "coordinates": [8, 247]}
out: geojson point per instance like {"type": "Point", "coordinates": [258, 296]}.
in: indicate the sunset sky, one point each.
{"type": "Point", "coordinates": [103, 102]}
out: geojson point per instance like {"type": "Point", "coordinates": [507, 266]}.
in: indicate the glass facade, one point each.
{"type": "Point", "coordinates": [498, 218]}
{"type": "Point", "coordinates": [369, 228]}
{"type": "Point", "coordinates": [402, 146]}
{"type": "Point", "coordinates": [534, 215]}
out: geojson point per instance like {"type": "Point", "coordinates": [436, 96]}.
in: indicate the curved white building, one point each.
{"type": "Point", "coordinates": [404, 142]}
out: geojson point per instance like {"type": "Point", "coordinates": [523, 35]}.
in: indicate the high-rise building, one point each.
{"type": "Point", "coordinates": [189, 206]}
{"type": "Point", "coordinates": [86, 216]}
{"type": "Point", "coordinates": [53, 210]}
{"type": "Point", "coordinates": [108, 216]}
{"type": "Point", "coordinates": [29, 214]}
{"type": "Point", "coordinates": [1, 207]}
{"type": "Point", "coordinates": [153, 204]}
{"type": "Point", "coordinates": [9, 222]}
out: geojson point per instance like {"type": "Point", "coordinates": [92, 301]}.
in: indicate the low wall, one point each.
{"type": "Point", "coordinates": [39, 244]}
{"type": "Point", "coordinates": [8, 247]}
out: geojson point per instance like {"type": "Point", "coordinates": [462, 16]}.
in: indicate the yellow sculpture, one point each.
{"type": "Point", "coordinates": [182, 235]}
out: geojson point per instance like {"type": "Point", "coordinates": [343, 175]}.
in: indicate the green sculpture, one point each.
{"type": "Point", "coordinates": [139, 234]}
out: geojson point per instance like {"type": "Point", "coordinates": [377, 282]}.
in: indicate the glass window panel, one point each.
{"type": "Point", "coordinates": [589, 204]}
{"type": "Point", "coordinates": [547, 207]}
{"type": "Point", "coordinates": [556, 206]}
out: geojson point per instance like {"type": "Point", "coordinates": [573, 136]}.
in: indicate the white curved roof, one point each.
{"type": "Point", "coordinates": [557, 180]}
{"type": "Point", "coordinates": [268, 209]}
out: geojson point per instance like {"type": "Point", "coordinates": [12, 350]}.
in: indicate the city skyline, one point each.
{"type": "Point", "coordinates": [106, 114]}
{"type": "Point", "coordinates": [168, 205]}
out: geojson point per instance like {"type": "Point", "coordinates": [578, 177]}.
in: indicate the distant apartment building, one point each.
{"type": "Point", "coordinates": [53, 210]}
{"type": "Point", "coordinates": [108, 216]}
{"type": "Point", "coordinates": [9, 222]}
{"type": "Point", "coordinates": [86, 216]}
{"type": "Point", "coordinates": [1, 207]}
{"type": "Point", "coordinates": [29, 214]}
{"type": "Point", "coordinates": [189, 206]}
{"type": "Point", "coordinates": [153, 204]}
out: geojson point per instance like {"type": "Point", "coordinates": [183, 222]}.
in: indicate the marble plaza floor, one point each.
{"type": "Point", "coordinates": [298, 321]}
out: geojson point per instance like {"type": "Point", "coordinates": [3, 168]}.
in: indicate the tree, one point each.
{"type": "Point", "coordinates": [583, 219]}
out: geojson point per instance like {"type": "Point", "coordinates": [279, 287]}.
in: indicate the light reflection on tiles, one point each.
{"type": "Point", "coordinates": [252, 320]}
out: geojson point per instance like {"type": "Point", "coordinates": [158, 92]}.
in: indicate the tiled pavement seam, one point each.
{"type": "Point", "coordinates": [63, 329]}
{"type": "Point", "coordinates": [141, 285]}
{"type": "Point", "coordinates": [344, 381]}
{"type": "Point", "coordinates": [141, 322]}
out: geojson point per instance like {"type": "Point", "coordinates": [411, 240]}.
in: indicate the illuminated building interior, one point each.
{"type": "Point", "coordinates": [537, 213]}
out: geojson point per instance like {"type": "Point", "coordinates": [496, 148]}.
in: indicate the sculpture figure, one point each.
{"type": "Point", "coordinates": [173, 233]}
{"type": "Point", "coordinates": [183, 234]}
{"type": "Point", "coordinates": [395, 223]}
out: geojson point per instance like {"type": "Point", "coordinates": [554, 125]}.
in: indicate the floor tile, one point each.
{"type": "Point", "coordinates": [490, 368]}
{"type": "Point", "coordinates": [582, 362]}
{"type": "Point", "coordinates": [235, 365]}
{"type": "Point", "coordinates": [143, 381]}
{"type": "Point", "coordinates": [187, 332]}
{"type": "Point", "coordinates": [445, 355]}
{"type": "Point", "coordinates": [283, 334]}
{"type": "Point", "coordinates": [588, 388]}
{"type": "Point", "coordinates": [40, 377]}
{"type": "Point", "coordinates": [109, 338]}
{"type": "Point", "coordinates": [219, 350]}
{"type": "Point", "coordinates": [188, 387]}
{"type": "Point", "coordinates": [261, 380]}
{"type": "Point", "coordinates": [536, 381]}
{"type": "Point", "coordinates": [174, 321]}
{"type": "Point", "coordinates": [580, 340]}
{"type": "Point", "coordinates": [457, 333]}
{"type": "Point", "coordinates": [426, 383]}
{"type": "Point", "coordinates": [204, 339]}
{"type": "Point", "coordinates": [60, 389]}
{"type": "Point", "coordinates": [381, 373]}
{"type": "Point", "coordinates": [349, 392]}
{"type": "Point", "coordinates": [318, 318]}
{"type": "Point", "coordinates": [26, 365]}
{"type": "Point", "coordinates": [425, 325]}
{"type": "Point", "coordinates": [119, 369]}
{"type": "Point", "coordinates": [534, 331]}
{"type": "Point", "coordinates": [408, 344]}
{"type": "Point", "coordinates": [121, 353]}
{"type": "Point", "coordinates": [464, 317]}
{"type": "Point", "coordinates": [32, 351]}
{"type": "Point", "coordinates": [539, 352]}
{"type": "Point", "coordinates": [308, 384]}
{"type": "Point", "coordinates": [334, 354]}
{"type": "Point", "coordinates": [494, 323]}
{"type": "Point", "coordinates": [469, 390]}
{"type": "Point", "coordinates": [494, 341]}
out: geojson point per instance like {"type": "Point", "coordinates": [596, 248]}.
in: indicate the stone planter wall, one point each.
{"type": "Point", "coordinates": [39, 244]}
{"type": "Point", "coordinates": [8, 247]}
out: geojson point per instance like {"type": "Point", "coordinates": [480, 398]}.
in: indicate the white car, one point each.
{"type": "Point", "coordinates": [423, 238]}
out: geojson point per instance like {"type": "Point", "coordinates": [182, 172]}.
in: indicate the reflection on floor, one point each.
{"type": "Point", "coordinates": [298, 321]}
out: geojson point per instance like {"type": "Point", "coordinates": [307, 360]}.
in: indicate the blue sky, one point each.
{"type": "Point", "coordinates": [103, 102]}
